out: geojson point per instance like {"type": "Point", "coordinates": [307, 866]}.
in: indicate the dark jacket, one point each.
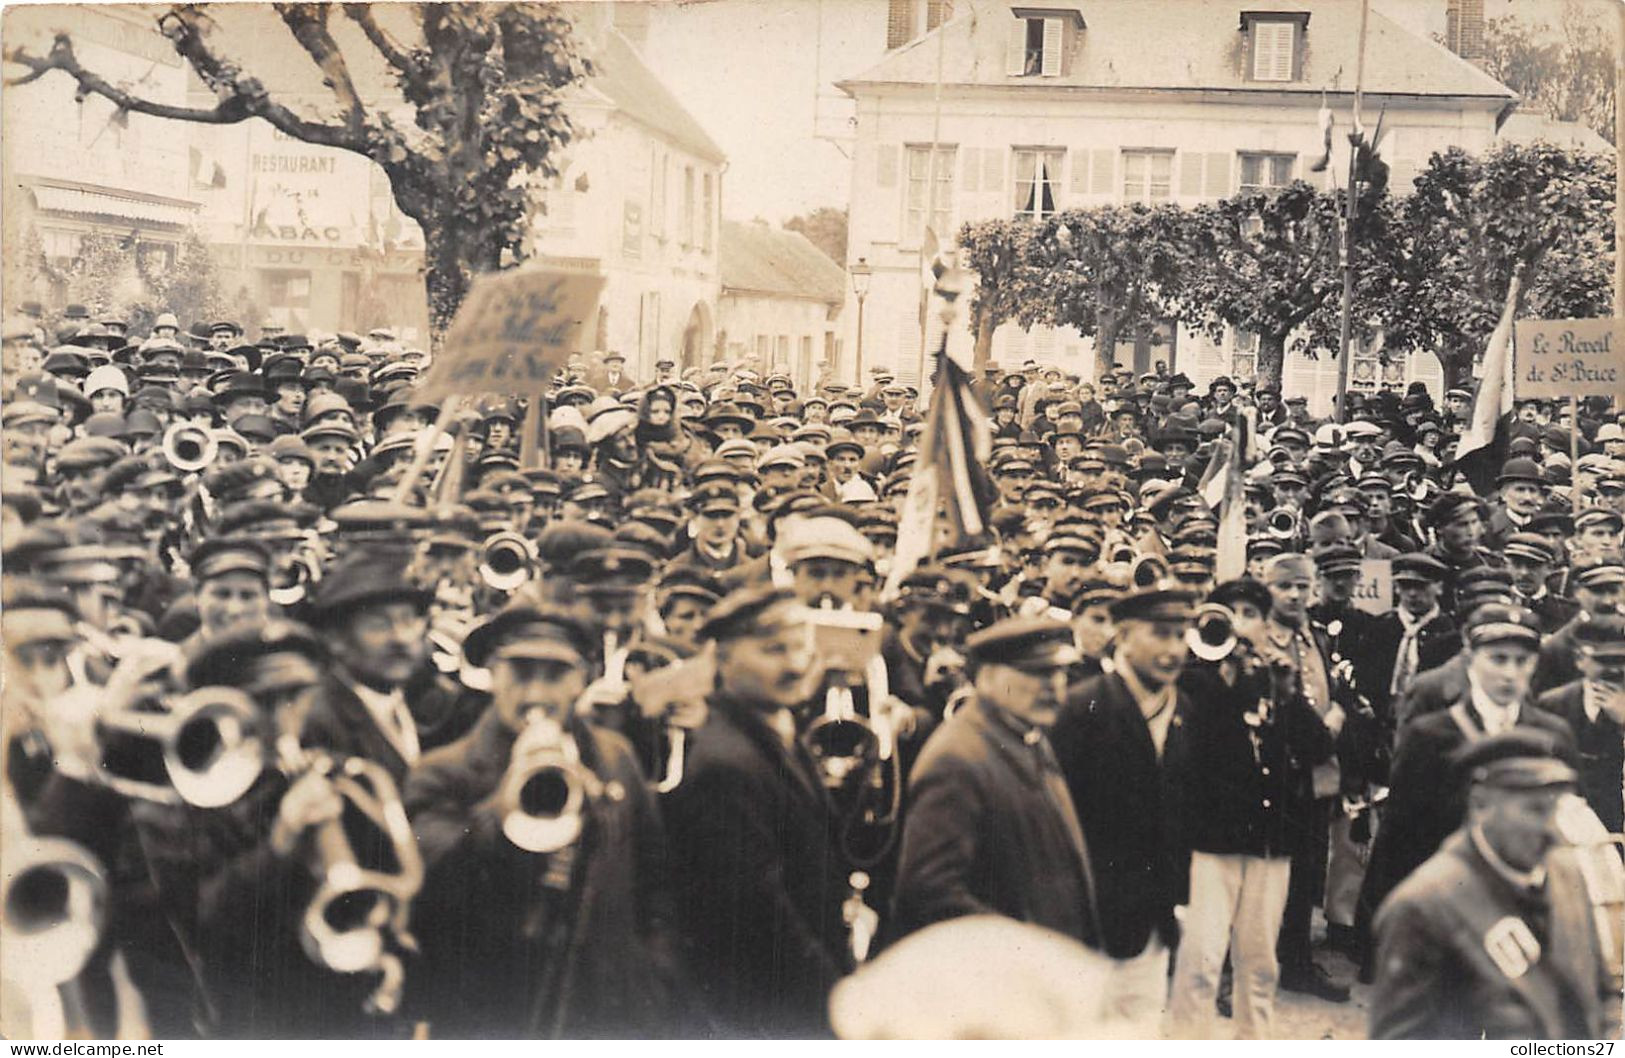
{"type": "Point", "coordinates": [1432, 691]}
{"type": "Point", "coordinates": [1439, 936]}
{"type": "Point", "coordinates": [336, 720]}
{"type": "Point", "coordinates": [1376, 656]}
{"type": "Point", "coordinates": [991, 831]}
{"type": "Point", "coordinates": [1427, 800]}
{"type": "Point", "coordinates": [758, 877]}
{"type": "Point", "coordinates": [1128, 803]}
{"type": "Point", "coordinates": [1241, 777]}
{"type": "Point", "coordinates": [1601, 747]}
{"type": "Point", "coordinates": [575, 943]}
{"type": "Point", "coordinates": [1557, 653]}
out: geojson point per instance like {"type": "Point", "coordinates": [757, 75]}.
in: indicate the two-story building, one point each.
{"type": "Point", "coordinates": [781, 300]}
{"type": "Point", "coordinates": [1035, 108]}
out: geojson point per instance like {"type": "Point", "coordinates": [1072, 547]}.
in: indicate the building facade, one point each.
{"type": "Point", "coordinates": [781, 301]}
{"type": "Point", "coordinates": [1046, 108]}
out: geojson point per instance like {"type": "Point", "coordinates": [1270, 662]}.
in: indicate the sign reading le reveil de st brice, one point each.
{"type": "Point", "coordinates": [1569, 358]}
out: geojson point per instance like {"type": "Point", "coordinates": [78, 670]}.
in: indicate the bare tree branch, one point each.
{"type": "Point", "coordinates": [308, 24]}
{"type": "Point", "coordinates": [62, 57]}
{"type": "Point", "coordinates": [388, 47]}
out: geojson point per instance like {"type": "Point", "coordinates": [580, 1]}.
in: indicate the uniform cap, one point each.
{"type": "Point", "coordinates": [1500, 623]}
{"type": "Point", "coordinates": [1417, 566]}
{"type": "Point", "coordinates": [1031, 644]}
{"type": "Point", "coordinates": [1521, 758]}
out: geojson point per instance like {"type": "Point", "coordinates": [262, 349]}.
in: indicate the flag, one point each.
{"type": "Point", "coordinates": [1325, 119]}
{"type": "Point", "coordinates": [1483, 447]}
{"type": "Point", "coordinates": [950, 476]}
{"type": "Point", "coordinates": [931, 267]}
{"type": "Point", "coordinates": [1231, 561]}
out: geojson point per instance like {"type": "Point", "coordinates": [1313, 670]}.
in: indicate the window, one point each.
{"type": "Point", "coordinates": [1038, 41]}
{"type": "Point", "coordinates": [1038, 181]}
{"type": "Point", "coordinates": [705, 216]}
{"type": "Point", "coordinates": [657, 196]}
{"type": "Point", "coordinates": [804, 364]}
{"type": "Point", "coordinates": [763, 349]}
{"type": "Point", "coordinates": [781, 353]}
{"type": "Point", "coordinates": [1147, 176]}
{"type": "Point", "coordinates": [1260, 172]}
{"type": "Point", "coordinates": [1274, 49]}
{"type": "Point", "coordinates": [688, 207]}
{"type": "Point", "coordinates": [919, 194]}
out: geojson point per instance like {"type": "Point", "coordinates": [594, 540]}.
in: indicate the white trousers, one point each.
{"type": "Point", "coordinates": [1236, 904]}
{"type": "Point", "coordinates": [1136, 993]}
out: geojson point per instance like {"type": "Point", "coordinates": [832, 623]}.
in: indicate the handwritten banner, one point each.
{"type": "Point", "coordinates": [1375, 591]}
{"type": "Point", "coordinates": [513, 333]}
{"type": "Point", "coordinates": [1568, 358]}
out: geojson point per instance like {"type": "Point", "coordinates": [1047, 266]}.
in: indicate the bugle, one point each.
{"type": "Point", "coordinates": [1283, 523]}
{"type": "Point", "coordinates": [189, 448]}
{"type": "Point", "coordinates": [54, 907]}
{"type": "Point", "coordinates": [841, 741]}
{"type": "Point", "coordinates": [506, 561]}
{"type": "Point", "coordinates": [544, 793]}
{"type": "Point", "coordinates": [293, 578]}
{"type": "Point", "coordinates": [1148, 571]}
{"type": "Point", "coordinates": [1212, 633]}
{"type": "Point", "coordinates": [204, 749]}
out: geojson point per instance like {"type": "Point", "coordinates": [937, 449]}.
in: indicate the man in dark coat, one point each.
{"type": "Point", "coordinates": [991, 829]}
{"type": "Point", "coordinates": [755, 863]}
{"type": "Point", "coordinates": [1424, 806]}
{"type": "Point", "coordinates": [559, 930]}
{"type": "Point", "coordinates": [1594, 706]}
{"type": "Point", "coordinates": [1405, 642]}
{"type": "Point", "coordinates": [1121, 742]}
{"type": "Point", "coordinates": [1599, 588]}
{"type": "Point", "coordinates": [1493, 937]}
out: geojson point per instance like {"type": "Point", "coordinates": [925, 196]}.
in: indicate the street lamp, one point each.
{"type": "Point", "coordinates": [861, 272]}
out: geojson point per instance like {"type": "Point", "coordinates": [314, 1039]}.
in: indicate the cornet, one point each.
{"type": "Point", "coordinates": [506, 561]}
{"type": "Point", "coordinates": [189, 448]}
{"type": "Point", "coordinates": [544, 793]}
{"type": "Point", "coordinates": [204, 749]}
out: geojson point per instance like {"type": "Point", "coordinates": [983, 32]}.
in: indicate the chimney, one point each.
{"type": "Point", "coordinates": [900, 16]}
{"type": "Point", "coordinates": [1464, 28]}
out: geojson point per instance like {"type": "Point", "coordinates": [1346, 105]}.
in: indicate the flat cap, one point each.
{"type": "Point", "coordinates": [760, 609]}
{"type": "Point", "coordinates": [1451, 506]}
{"type": "Point", "coordinates": [220, 555]}
{"type": "Point", "coordinates": [532, 631]}
{"type": "Point", "coordinates": [1157, 604]}
{"type": "Point", "coordinates": [1500, 623]}
{"type": "Point", "coordinates": [1032, 644]}
{"type": "Point", "coordinates": [1418, 566]}
{"type": "Point", "coordinates": [1529, 546]}
{"type": "Point", "coordinates": [1520, 758]}
{"type": "Point", "coordinates": [366, 577]}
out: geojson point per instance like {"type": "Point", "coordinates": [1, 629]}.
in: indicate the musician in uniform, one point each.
{"type": "Point", "coordinates": [564, 931]}
{"type": "Point", "coordinates": [755, 862]}
{"type": "Point", "coordinates": [1594, 706]}
{"type": "Point", "coordinates": [1493, 936]}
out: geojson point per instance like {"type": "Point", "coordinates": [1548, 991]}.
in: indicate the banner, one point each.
{"type": "Point", "coordinates": [1569, 358]}
{"type": "Point", "coordinates": [1375, 591]}
{"type": "Point", "coordinates": [514, 332]}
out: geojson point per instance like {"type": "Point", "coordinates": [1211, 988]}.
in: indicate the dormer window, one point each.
{"type": "Point", "coordinates": [1274, 44]}
{"type": "Point", "coordinates": [1040, 40]}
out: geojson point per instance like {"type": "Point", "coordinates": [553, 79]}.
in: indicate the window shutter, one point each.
{"type": "Point", "coordinates": [1080, 171]}
{"type": "Point", "coordinates": [971, 177]}
{"type": "Point", "coordinates": [1272, 51]}
{"type": "Point", "coordinates": [1190, 174]}
{"type": "Point", "coordinates": [1218, 175]}
{"type": "Point", "coordinates": [1103, 170]}
{"type": "Point", "coordinates": [1015, 55]}
{"type": "Point", "coordinates": [1052, 48]}
{"type": "Point", "coordinates": [992, 169]}
{"type": "Point", "coordinates": [886, 165]}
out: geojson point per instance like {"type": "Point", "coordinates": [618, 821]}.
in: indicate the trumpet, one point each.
{"type": "Point", "coordinates": [203, 749]}
{"type": "Point", "coordinates": [506, 561]}
{"type": "Point", "coordinates": [189, 448]}
{"type": "Point", "coordinates": [544, 793]}
{"type": "Point", "coordinates": [1283, 523]}
{"type": "Point", "coordinates": [55, 905]}
{"type": "Point", "coordinates": [840, 740]}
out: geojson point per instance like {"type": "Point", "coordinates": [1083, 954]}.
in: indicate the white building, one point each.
{"type": "Point", "coordinates": [1098, 102]}
{"type": "Point", "coordinates": [781, 301]}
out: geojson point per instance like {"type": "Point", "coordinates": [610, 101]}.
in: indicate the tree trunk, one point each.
{"type": "Point", "coordinates": [1456, 364]}
{"type": "Point", "coordinates": [984, 343]}
{"type": "Point", "coordinates": [1105, 349]}
{"type": "Point", "coordinates": [1271, 359]}
{"type": "Point", "coordinates": [451, 259]}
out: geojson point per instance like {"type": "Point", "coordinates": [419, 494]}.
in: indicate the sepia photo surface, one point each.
{"type": "Point", "coordinates": [812, 519]}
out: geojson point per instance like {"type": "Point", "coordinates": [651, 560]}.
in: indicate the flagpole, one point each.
{"type": "Point", "coordinates": [1356, 135]}
{"type": "Point", "coordinates": [931, 198]}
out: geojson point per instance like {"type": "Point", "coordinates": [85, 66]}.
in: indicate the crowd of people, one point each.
{"type": "Point", "coordinates": [609, 716]}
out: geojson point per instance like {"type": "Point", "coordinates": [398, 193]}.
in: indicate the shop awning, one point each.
{"type": "Point", "coordinates": [102, 204]}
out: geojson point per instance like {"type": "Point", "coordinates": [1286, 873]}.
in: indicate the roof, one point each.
{"type": "Point", "coordinates": [1531, 126]}
{"type": "Point", "coordinates": [150, 209]}
{"type": "Point", "coordinates": [764, 260]}
{"type": "Point", "coordinates": [1198, 48]}
{"type": "Point", "coordinates": [627, 82]}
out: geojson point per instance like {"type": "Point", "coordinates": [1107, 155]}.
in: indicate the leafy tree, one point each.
{"type": "Point", "coordinates": [1450, 249]}
{"type": "Point", "coordinates": [825, 228]}
{"type": "Point", "coordinates": [1270, 263]}
{"type": "Point", "coordinates": [1566, 71]}
{"type": "Point", "coordinates": [1006, 287]}
{"type": "Point", "coordinates": [1107, 271]}
{"type": "Point", "coordinates": [484, 84]}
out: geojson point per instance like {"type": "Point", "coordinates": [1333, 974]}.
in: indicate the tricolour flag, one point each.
{"type": "Point", "coordinates": [1224, 489]}
{"type": "Point", "coordinates": [1483, 446]}
{"type": "Point", "coordinates": [950, 476]}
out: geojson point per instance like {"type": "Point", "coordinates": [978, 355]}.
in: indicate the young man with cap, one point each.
{"type": "Point", "coordinates": [568, 942]}
{"type": "Point", "coordinates": [1530, 559]}
{"type": "Point", "coordinates": [1457, 520]}
{"type": "Point", "coordinates": [1493, 937]}
{"type": "Point", "coordinates": [991, 827]}
{"type": "Point", "coordinates": [1599, 589]}
{"type": "Point", "coordinates": [1408, 640]}
{"type": "Point", "coordinates": [1594, 706]}
{"type": "Point", "coordinates": [1121, 741]}
{"type": "Point", "coordinates": [1423, 806]}
{"type": "Point", "coordinates": [755, 860]}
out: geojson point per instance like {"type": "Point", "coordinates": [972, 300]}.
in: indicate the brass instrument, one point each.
{"type": "Point", "coordinates": [1148, 571]}
{"type": "Point", "coordinates": [204, 749]}
{"type": "Point", "coordinates": [190, 448]}
{"type": "Point", "coordinates": [1283, 523]}
{"type": "Point", "coordinates": [842, 742]}
{"type": "Point", "coordinates": [54, 906]}
{"type": "Point", "coordinates": [1212, 633]}
{"type": "Point", "coordinates": [294, 577]}
{"type": "Point", "coordinates": [544, 793]}
{"type": "Point", "coordinates": [506, 561]}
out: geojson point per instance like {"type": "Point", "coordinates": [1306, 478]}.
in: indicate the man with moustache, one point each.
{"type": "Point", "coordinates": [755, 862]}
{"type": "Point", "coordinates": [1120, 741]}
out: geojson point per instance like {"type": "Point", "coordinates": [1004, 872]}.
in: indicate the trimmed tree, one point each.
{"type": "Point", "coordinates": [1007, 286]}
{"type": "Point", "coordinates": [484, 84]}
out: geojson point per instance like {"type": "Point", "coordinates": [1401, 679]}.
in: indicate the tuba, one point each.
{"type": "Point", "coordinates": [189, 448]}
{"type": "Point", "coordinates": [203, 749]}
{"type": "Point", "coordinates": [544, 794]}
